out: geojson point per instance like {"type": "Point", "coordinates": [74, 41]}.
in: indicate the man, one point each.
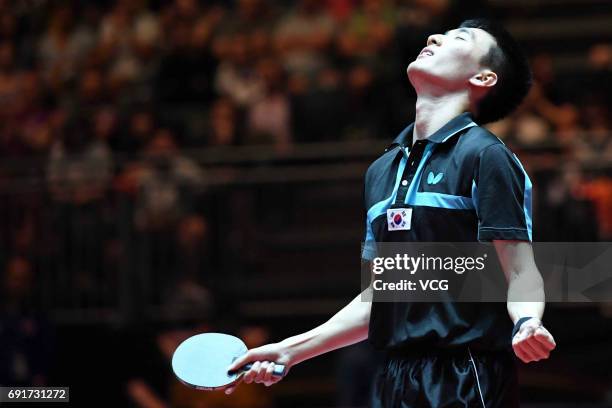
{"type": "Point", "coordinates": [475, 189]}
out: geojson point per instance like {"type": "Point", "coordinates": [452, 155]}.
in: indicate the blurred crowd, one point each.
{"type": "Point", "coordinates": [119, 96]}
{"type": "Point", "coordinates": [94, 87]}
{"type": "Point", "coordinates": [226, 73]}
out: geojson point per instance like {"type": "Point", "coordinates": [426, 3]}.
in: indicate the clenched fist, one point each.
{"type": "Point", "coordinates": [533, 342]}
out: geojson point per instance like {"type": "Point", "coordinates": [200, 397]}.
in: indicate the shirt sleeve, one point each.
{"type": "Point", "coordinates": [502, 192]}
{"type": "Point", "coordinates": [368, 250]}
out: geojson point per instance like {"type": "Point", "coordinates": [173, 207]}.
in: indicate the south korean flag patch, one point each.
{"type": "Point", "coordinates": [398, 219]}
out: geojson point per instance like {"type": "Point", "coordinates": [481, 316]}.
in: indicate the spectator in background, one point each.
{"type": "Point", "coordinates": [530, 130]}
{"type": "Point", "coordinates": [566, 213]}
{"type": "Point", "coordinates": [188, 66]}
{"type": "Point", "coordinates": [80, 167]}
{"type": "Point", "coordinates": [126, 26]}
{"type": "Point", "coordinates": [105, 124]}
{"type": "Point", "coordinates": [269, 117]}
{"type": "Point", "coordinates": [115, 27]}
{"type": "Point", "coordinates": [303, 37]}
{"type": "Point", "coordinates": [126, 21]}
{"type": "Point", "coordinates": [369, 31]}
{"type": "Point", "coordinates": [33, 113]}
{"type": "Point", "coordinates": [140, 127]}
{"type": "Point", "coordinates": [595, 143]}
{"type": "Point", "coordinates": [136, 66]}
{"type": "Point", "coordinates": [167, 183]}
{"type": "Point", "coordinates": [27, 121]}
{"type": "Point", "coordinates": [62, 49]}
{"type": "Point", "coordinates": [566, 122]}
{"type": "Point", "coordinates": [92, 91]}
{"type": "Point", "coordinates": [79, 173]}
{"type": "Point", "coordinates": [167, 186]}
{"type": "Point", "coordinates": [237, 77]}
{"type": "Point", "coordinates": [367, 46]}
{"type": "Point", "coordinates": [223, 124]}
{"type": "Point", "coordinates": [563, 118]}
{"type": "Point", "coordinates": [251, 22]}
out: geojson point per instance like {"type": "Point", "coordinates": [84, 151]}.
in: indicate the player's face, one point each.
{"type": "Point", "coordinates": [449, 60]}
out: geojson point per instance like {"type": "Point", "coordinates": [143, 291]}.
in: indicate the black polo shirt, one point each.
{"type": "Point", "coordinates": [462, 184]}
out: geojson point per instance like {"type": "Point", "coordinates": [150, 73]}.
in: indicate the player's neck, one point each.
{"type": "Point", "coordinates": [433, 112]}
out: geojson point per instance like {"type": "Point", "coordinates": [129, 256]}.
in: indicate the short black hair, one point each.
{"type": "Point", "coordinates": [514, 76]}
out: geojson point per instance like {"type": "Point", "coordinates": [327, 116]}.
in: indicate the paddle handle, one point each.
{"type": "Point", "coordinates": [279, 369]}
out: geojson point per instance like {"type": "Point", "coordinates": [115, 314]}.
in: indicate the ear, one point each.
{"type": "Point", "coordinates": [484, 79]}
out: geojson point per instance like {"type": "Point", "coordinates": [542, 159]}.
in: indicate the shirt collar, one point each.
{"type": "Point", "coordinates": [454, 126]}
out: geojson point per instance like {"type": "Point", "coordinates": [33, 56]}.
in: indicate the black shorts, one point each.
{"type": "Point", "coordinates": [448, 379]}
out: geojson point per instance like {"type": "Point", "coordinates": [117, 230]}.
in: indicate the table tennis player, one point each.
{"type": "Point", "coordinates": [457, 182]}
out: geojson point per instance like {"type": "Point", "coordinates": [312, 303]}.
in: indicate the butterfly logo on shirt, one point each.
{"type": "Point", "coordinates": [434, 179]}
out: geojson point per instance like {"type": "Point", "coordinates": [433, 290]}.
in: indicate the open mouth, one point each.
{"type": "Point", "coordinates": [425, 52]}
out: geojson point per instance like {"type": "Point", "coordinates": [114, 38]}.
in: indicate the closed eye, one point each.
{"type": "Point", "coordinates": [461, 38]}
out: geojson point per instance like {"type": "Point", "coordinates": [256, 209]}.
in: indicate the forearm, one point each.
{"type": "Point", "coordinates": [348, 326]}
{"type": "Point", "coordinates": [525, 285]}
{"type": "Point", "coordinates": [525, 292]}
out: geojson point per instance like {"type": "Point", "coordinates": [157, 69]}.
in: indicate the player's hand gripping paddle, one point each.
{"type": "Point", "coordinates": [201, 361]}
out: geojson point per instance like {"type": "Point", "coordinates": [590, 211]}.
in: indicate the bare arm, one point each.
{"type": "Point", "coordinates": [525, 285]}
{"type": "Point", "coordinates": [525, 299]}
{"type": "Point", "coordinates": [348, 326]}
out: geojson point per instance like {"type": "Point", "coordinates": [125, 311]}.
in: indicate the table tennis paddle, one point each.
{"type": "Point", "coordinates": [201, 361]}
